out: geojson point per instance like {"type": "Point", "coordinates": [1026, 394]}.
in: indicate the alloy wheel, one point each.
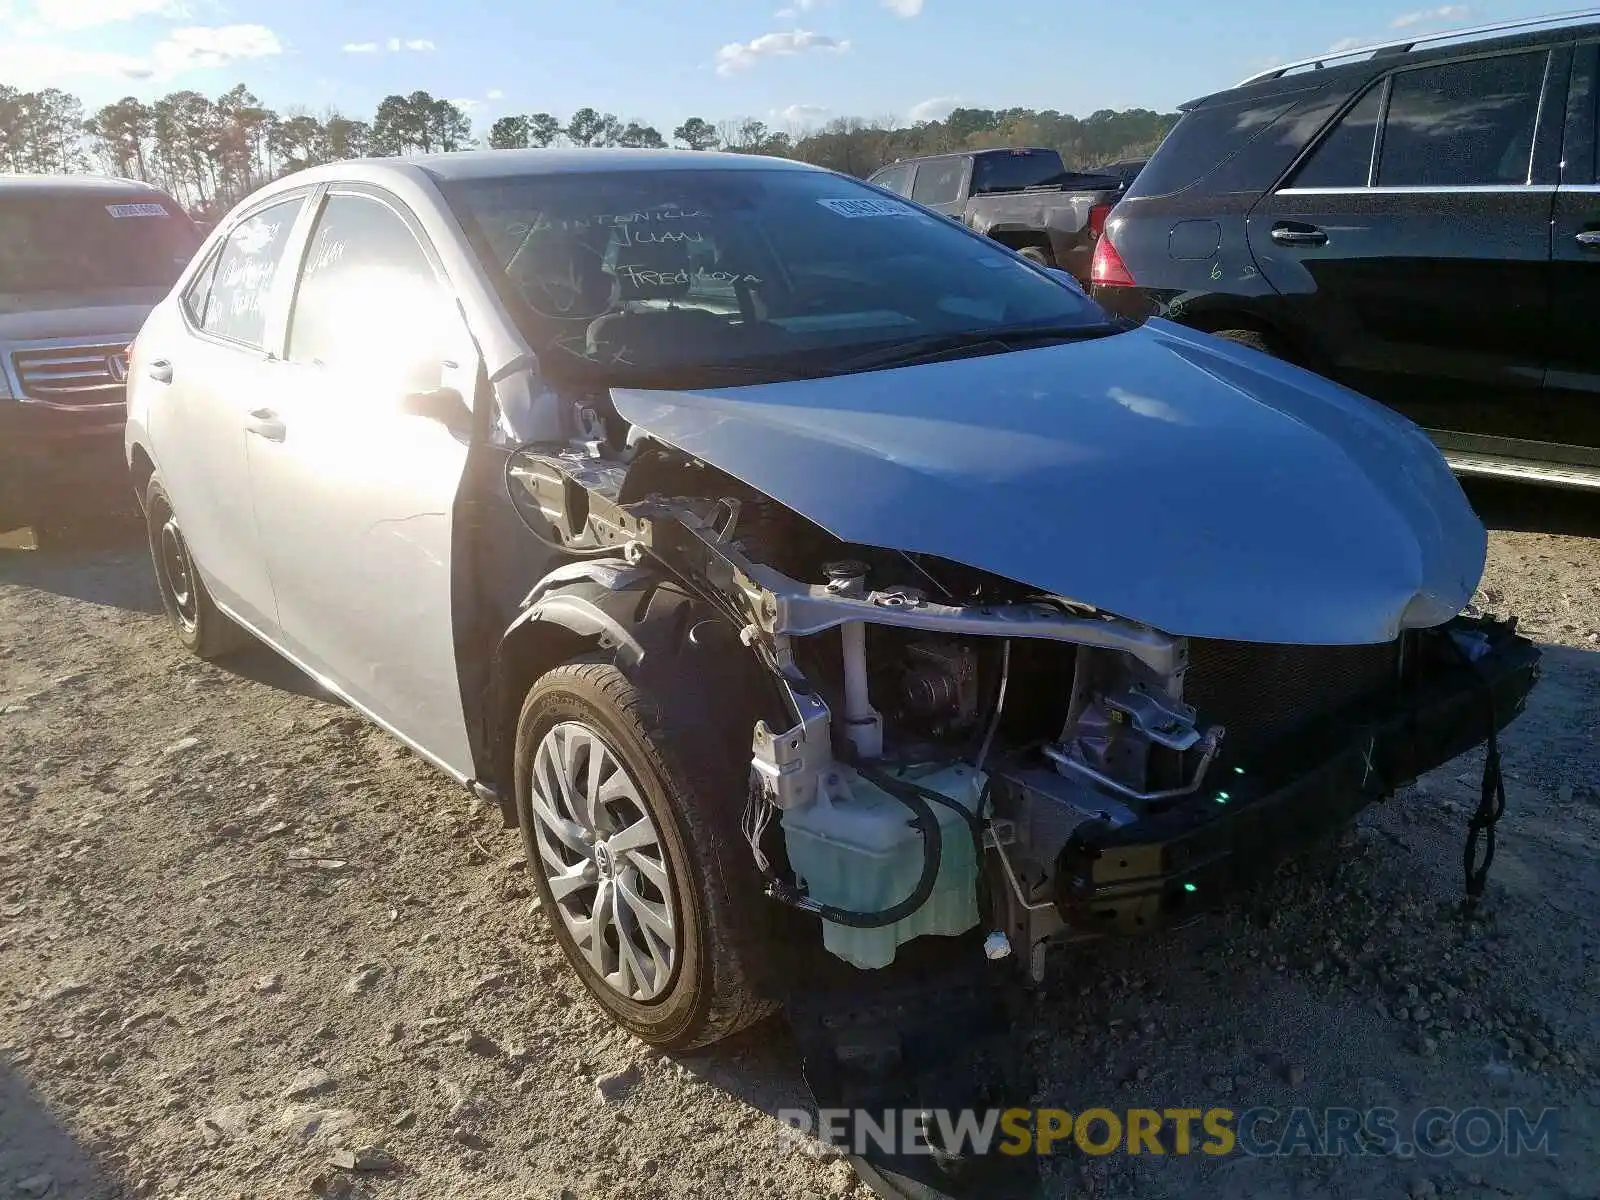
{"type": "Point", "coordinates": [604, 863]}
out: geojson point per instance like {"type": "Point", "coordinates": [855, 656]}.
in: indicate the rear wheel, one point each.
{"type": "Point", "coordinates": [1252, 338]}
{"type": "Point", "coordinates": [629, 813]}
{"type": "Point", "coordinates": [201, 625]}
{"type": "Point", "coordinates": [1037, 254]}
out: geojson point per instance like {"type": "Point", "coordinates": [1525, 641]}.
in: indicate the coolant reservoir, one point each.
{"type": "Point", "coordinates": [854, 848]}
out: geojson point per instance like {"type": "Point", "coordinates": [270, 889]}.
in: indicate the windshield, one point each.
{"type": "Point", "coordinates": [66, 243]}
{"type": "Point", "coordinates": [657, 271]}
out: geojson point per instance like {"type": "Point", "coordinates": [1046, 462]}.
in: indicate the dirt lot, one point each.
{"type": "Point", "coordinates": [241, 932]}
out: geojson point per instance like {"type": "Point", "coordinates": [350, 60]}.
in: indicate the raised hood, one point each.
{"type": "Point", "coordinates": [1165, 476]}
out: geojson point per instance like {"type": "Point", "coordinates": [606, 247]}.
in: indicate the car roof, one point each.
{"type": "Point", "coordinates": [502, 164]}
{"type": "Point", "coordinates": [1332, 67]}
{"type": "Point", "coordinates": [66, 185]}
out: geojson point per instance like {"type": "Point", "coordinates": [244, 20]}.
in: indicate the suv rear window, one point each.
{"type": "Point", "coordinates": [88, 243]}
{"type": "Point", "coordinates": [1206, 137]}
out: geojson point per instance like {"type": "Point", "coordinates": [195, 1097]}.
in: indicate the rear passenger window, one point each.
{"type": "Point", "coordinates": [938, 182]}
{"type": "Point", "coordinates": [895, 179]}
{"type": "Point", "coordinates": [198, 293]}
{"type": "Point", "coordinates": [1462, 124]}
{"type": "Point", "coordinates": [241, 284]}
{"type": "Point", "coordinates": [1344, 158]}
{"type": "Point", "coordinates": [1206, 137]}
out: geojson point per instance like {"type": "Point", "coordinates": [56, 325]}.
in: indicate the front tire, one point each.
{"type": "Point", "coordinates": [201, 625]}
{"type": "Point", "coordinates": [628, 807]}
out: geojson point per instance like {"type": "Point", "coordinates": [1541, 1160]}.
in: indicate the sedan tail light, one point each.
{"type": "Point", "coordinates": [1108, 269]}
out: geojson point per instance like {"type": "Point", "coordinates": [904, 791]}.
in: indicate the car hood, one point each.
{"type": "Point", "coordinates": [1162, 475]}
{"type": "Point", "coordinates": [26, 317]}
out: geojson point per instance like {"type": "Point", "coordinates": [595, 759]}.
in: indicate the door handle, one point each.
{"type": "Point", "coordinates": [1298, 235]}
{"type": "Point", "coordinates": [264, 423]}
{"type": "Point", "coordinates": [1589, 239]}
{"type": "Point", "coordinates": [160, 371]}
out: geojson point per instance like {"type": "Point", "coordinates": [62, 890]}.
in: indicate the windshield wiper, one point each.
{"type": "Point", "coordinates": [934, 347]}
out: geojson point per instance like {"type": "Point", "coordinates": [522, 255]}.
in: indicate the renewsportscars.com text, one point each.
{"type": "Point", "coordinates": [1259, 1132]}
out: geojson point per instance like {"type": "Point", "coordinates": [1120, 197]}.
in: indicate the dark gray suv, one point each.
{"type": "Point", "coordinates": [1419, 221]}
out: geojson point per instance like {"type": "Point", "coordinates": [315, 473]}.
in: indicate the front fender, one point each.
{"type": "Point", "coordinates": [634, 613]}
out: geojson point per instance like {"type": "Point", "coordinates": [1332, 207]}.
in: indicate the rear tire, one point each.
{"type": "Point", "coordinates": [1037, 254]}
{"type": "Point", "coordinates": [201, 625]}
{"type": "Point", "coordinates": [671, 787]}
{"type": "Point", "coordinates": [1252, 338]}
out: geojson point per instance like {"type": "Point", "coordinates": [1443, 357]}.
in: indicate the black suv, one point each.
{"type": "Point", "coordinates": [1421, 224]}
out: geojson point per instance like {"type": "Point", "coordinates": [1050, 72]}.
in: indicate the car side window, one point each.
{"type": "Point", "coordinates": [242, 280]}
{"type": "Point", "coordinates": [368, 300]}
{"type": "Point", "coordinates": [895, 179]}
{"type": "Point", "coordinates": [1344, 157]}
{"type": "Point", "coordinates": [938, 182]}
{"type": "Point", "coordinates": [1462, 124]}
{"type": "Point", "coordinates": [198, 294]}
{"type": "Point", "coordinates": [1580, 162]}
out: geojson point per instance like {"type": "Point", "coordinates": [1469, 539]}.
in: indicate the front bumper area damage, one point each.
{"type": "Point", "coordinates": [953, 771]}
{"type": "Point", "coordinates": [1160, 870]}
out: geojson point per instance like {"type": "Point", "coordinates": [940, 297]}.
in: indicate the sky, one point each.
{"type": "Point", "coordinates": [791, 63]}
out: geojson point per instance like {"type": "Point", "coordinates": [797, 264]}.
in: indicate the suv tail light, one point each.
{"type": "Point", "coordinates": [1108, 269]}
{"type": "Point", "coordinates": [1097, 219]}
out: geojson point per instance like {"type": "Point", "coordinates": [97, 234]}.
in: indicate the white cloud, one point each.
{"type": "Point", "coordinates": [190, 48]}
{"type": "Point", "coordinates": [90, 14]}
{"type": "Point", "coordinates": [467, 104]}
{"type": "Point", "coordinates": [199, 47]}
{"type": "Point", "coordinates": [903, 8]}
{"type": "Point", "coordinates": [739, 56]}
{"type": "Point", "coordinates": [495, 94]}
{"type": "Point", "coordinates": [1345, 43]}
{"type": "Point", "coordinates": [393, 45]}
{"type": "Point", "coordinates": [1445, 12]}
{"type": "Point", "coordinates": [802, 114]}
{"type": "Point", "coordinates": [31, 65]}
{"type": "Point", "coordinates": [935, 109]}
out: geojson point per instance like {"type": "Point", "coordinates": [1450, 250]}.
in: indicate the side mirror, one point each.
{"type": "Point", "coordinates": [442, 404]}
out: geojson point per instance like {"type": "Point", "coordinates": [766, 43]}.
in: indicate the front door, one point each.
{"type": "Point", "coordinates": [357, 496]}
{"type": "Point", "coordinates": [1574, 378]}
{"type": "Point", "coordinates": [1414, 242]}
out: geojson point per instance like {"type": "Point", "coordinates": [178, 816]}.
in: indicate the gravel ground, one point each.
{"type": "Point", "coordinates": [244, 936]}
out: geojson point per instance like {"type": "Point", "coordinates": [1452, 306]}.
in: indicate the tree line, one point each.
{"type": "Point", "coordinates": [210, 153]}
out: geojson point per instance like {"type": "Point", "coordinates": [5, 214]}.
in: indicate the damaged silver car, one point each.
{"type": "Point", "coordinates": [810, 579]}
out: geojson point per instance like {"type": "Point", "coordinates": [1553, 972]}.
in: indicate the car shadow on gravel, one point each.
{"type": "Point", "coordinates": [1525, 508]}
{"type": "Point", "coordinates": [38, 1155]}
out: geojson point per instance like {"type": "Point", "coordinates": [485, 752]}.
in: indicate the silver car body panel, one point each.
{"type": "Point", "coordinates": [343, 562]}
{"type": "Point", "coordinates": [1159, 474]}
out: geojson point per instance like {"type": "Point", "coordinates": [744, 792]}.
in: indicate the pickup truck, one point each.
{"type": "Point", "coordinates": [1025, 198]}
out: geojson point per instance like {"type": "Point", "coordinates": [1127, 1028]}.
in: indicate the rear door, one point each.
{"type": "Point", "coordinates": [1413, 240]}
{"type": "Point", "coordinates": [356, 494]}
{"type": "Point", "coordinates": [1574, 379]}
{"type": "Point", "coordinates": [208, 378]}
{"type": "Point", "coordinates": [941, 184]}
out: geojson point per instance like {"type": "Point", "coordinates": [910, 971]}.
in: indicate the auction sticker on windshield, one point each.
{"type": "Point", "coordinates": [868, 207]}
{"type": "Point", "coordinates": [136, 210]}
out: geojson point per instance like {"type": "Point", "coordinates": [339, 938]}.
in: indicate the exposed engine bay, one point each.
{"type": "Point", "coordinates": [951, 750]}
